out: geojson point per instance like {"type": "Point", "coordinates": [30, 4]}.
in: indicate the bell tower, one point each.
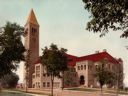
{"type": "Point", "coordinates": [31, 44]}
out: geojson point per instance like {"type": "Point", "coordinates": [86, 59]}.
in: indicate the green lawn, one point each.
{"type": "Point", "coordinates": [83, 89]}
{"type": "Point", "coordinates": [13, 92]}
{"type": "Point", "coordinates": [97, 89]}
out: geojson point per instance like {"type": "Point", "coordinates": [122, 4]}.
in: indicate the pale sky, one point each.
{"type": "Point", "coordinates": [63, 22]}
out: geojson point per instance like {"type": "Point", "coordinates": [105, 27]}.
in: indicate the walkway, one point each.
{"type": "Point", "coordinates": [81, 93]}
{"type": "Point", "coordinates": [70, 93]}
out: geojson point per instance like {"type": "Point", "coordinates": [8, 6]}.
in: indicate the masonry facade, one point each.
{"type": "Point", "coordinates": [81, 69]}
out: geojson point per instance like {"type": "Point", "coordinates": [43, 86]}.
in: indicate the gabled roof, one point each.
{"type": "Point", "coordinates": [32, 18]}
{"type": "Point", "coordinates": [93, 57]}
{"type": "Point", "coordinates": [98, 57]}
{"type": "Point", "coordinates": [71, 60]}
{"type": "Point", "coordinates": [38, 60]}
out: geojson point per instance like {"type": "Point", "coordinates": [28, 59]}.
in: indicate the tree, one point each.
{"type": "Point", "coordinates": [9, 80]}
{"type": "Point", "coordinates": [107, 14]}
{"type": "Point", "coordinates": [63, 63]}
{"type": "Point", "coordinates": [55, 62]}
{"type": "Point", "coordinates": [27, 65]}
{"type": "Point", "coordinates": [119, 76]}
{"type": "Point", "coordinates": [103, 75]}
{"type": "Point", "coordinates": [11, 48]}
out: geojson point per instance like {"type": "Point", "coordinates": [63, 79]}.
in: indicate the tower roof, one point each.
{"type": "Point", "coordinates": [32, 18]}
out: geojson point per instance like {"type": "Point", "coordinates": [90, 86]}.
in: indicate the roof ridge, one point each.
{"type": "Point", "coordinates": [93, 54]}
{"type": "Point", "coordinates": [32, 18]}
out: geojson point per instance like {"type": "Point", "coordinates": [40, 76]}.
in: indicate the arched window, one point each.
{"type": "Point", "coordinates": [81, 67]}
{"type": "Point", "coordinates": [85, 67]}
{"type": "Point", "coordinates": [78, 67]}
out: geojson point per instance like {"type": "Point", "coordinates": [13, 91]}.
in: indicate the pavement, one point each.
{"type": "Point", "coordinates": [81, 93]}
{"type": "Point", "coordinates": [59, 92]}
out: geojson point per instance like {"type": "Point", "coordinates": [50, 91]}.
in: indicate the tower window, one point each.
{"type": "Point", "coordinates": [26, 31]}
{"type": "Point", "coordinates": [33, 30]}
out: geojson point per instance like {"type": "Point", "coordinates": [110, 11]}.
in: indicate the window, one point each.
{"type": "Point", "coordinates": [96, 66]}
{"type": "Point", "coordinates": [26, 31]}
{"type": "Point", "coordinates": [109, 66]}
{"type": "Point", "coordinates": [48, 75]}
{"type": "Point", "coordinates": [72, 69]}
{"type": "Point", "coordinates": [33, 76]}
{"type": "Point", "coordinates": [33, 85]}
{"type": "Point", "coordinates": [85, 67]}
{"type": "Point", "coordinates": [48, 84]}
{"type": "Point", "coordinates": [56, 84]}
{"type": "Point", "coordinates": [38, 84]}
{"type": "Point", "coordinates": [37, 71]}
{"type": "Point", "coordinates": [44, 75]}
{"type": "Point", "coordinates": [44, 84]}
{"type": "Point", "coordinates": [78, 67]}
{"type": "Point", "coordinates": [89, 67]}
{"type": "Point", "coordinates": [81, 67]}
{"type": "Point", "coordinates": [33, 30]}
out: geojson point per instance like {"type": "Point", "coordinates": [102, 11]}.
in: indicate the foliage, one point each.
{"type": "Point", "coordinates": [11, 47]}
{"type": "Point", "coordinates": [107, 14]}
{"type": "Point", "coordinates": [55, 61]}
{"type": "Point", "coordinates": [9, 80]}
{"type": "Point", "coordinates": [27, 65]}
{"type": "Point", "coordinates": [103, 75]}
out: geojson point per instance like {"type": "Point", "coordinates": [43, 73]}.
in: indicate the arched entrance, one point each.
{"type": "Point", "coordinates": [82, 80]}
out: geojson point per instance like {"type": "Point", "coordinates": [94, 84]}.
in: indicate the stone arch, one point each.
{"type": "Point", "coordinates": [82, 80]}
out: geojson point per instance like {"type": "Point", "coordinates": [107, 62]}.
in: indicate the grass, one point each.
{"type": "Point", "coordinates": [13, 93]}
{"type": "Point", "coordinates": [84, 89]}
{"type": "Point", "coordinates": [97, 89]}
{"type": "Point", "coordinates": [114, 92]}
{"type": "Point", "coordinates": [19, 92]}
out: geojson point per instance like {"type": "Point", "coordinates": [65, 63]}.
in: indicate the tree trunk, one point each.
{"type": "Point", "coordinates": [26, 87]}
{"type": "Point", "coordinates": [0, 87]}
{"type": "Point", "coordinates": [101, 90]}
{"type": "Point", "coordinates": [62, 80]}
{"type": "Point", "coordinates": [26, 77]}
{"type": "Point", "coordinates": [52, 81]}
{"type": "Point", "coordinates": [117, 91]}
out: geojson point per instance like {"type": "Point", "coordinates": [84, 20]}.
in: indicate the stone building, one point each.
{"type": "Point", "coordinates": [31, 44]}
{"type": "Point", "coordinates": [81, 69]}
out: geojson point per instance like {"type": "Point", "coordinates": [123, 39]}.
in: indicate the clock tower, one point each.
{"type": "Point", "coordinates": [31, 45]}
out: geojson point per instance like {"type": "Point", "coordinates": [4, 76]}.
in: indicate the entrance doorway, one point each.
{"type": "Point", "coordinates": [82, 80]}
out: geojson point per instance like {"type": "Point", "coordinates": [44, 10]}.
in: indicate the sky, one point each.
{"type": "Point", "coordinates": [63, 22]}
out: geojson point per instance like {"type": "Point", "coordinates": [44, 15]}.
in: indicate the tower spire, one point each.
{"type": "Point", "coordinates": [32, 18]}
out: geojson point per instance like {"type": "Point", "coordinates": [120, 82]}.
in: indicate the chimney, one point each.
{"type": "Point", "coordinates": [104, 50]}
{"type": "Point", "coordinates": [96, 52]}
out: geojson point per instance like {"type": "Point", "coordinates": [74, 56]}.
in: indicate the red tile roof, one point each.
{"type": "Point", "coordinates": [93, 57]}
{"type": "Point", "coordinates": [72, 60]}
{"type": "Point", "coordinates": [97, 57]}
{"type": "Point", "coordinates": [38, 60]}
